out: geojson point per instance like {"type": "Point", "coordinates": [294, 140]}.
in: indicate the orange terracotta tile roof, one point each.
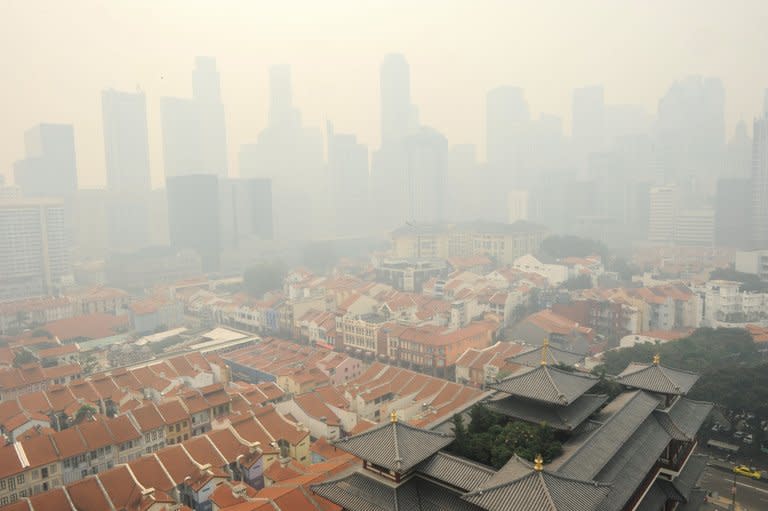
{"type": "Point", "coordinates": [91, 326]}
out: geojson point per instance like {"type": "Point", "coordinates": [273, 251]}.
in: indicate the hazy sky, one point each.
{"type": "Point", "coordinates": [59, 55]}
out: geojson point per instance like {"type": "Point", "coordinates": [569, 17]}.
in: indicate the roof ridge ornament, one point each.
{"type": "Point", "coordinates": [393, 417]}
{"type": "Point", "coordinates": [656, 359]}
{"type": "Point", "coordinates": [538, 463]}
{"type": "Point", "coordinates": [544, 348]}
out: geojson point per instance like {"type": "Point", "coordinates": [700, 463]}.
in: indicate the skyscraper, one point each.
{"type": "Point", "coordinates": [34, 252]}
{"type": "Point", "coordinates": [126, 150]}
{"type": "Point", "coordinates": [245, 210]}
{"type": "Point", "coordinates": [291, 156]}
{"type": "Point", "coordinates": [507, 120]}
{"type": "Point", "coordinates": [49, 168]}
{"type": "Point", "coordinates": [662, 214]}
{"type": "Point", "coordinates": [348, 177]}
{"type": "Point", "coordinates": [427, 156]}
{"type": "Point", "coordinates": [732, 213]}
{"type": "Point", "coordinates": [126, 145]}
{"type": "Point", "coordinates": [194, 130]}
{"type": "Point", "coordinates": [193, 216]}
{"type": "Point", "coordinates": [398, 115]}
{"type": "Point", "coordinates": [691, 134]}
{"type": "Point", "coordinates": [588, 127]}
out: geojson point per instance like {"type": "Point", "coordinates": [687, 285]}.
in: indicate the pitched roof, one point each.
{"type": "Point", "coordinates": [546, 383]}
{"type": "Point", "coordinates": [657, 378]}
{"type": "Point", "coordinates": [359, 492]}
{"type": "Point", "coordinates": [88, 495]}
{"type": "Point", "coordinates": [519, 487]}
{"type": "Point", "coordinates": [455, 471]}
{"type": "Point", "coordinates": [554, 356]}
{"type": "Point", "coordinates": [148, 417]}
{"type": "Point", "coordinates": [563, 418]}
{"type": "Point", "coordinates": [395, 445]}
{"type": "Point", "coordinates": [684, 418]}
{"type": "Point", "coordinates": [618, 421]}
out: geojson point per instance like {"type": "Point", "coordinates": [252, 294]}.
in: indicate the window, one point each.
{"type": "Point", "coordinates": [53, 469]}
{"type": "Point", "coordinates": [3, 501]}
{"type": "Point", "coordinates": [178, 428]}
{"type": "Point", "coordinates": [23, 493]}
{"type": "Point", "coordinates": [2, 484]}
{"type": "Point", "coordinates": [20, 479]}
{"type": "Point", "coordinates": [44, 472]}
{"type": "Point", "coordinates": [154, 435]}
{"type": "Point", "coordinates": [108, 449]}
{"type": "Point", "coordinates": [83, 474]}
{"type": "Point", "coordinates": [146, 437]}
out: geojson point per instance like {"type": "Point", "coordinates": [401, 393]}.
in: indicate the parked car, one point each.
{"type": "Point", "coordinates": [746, 471]}
{"type": "Point", "coordinates": [748, 439]}
{"type": "Point", "coordinates": [738, 435]}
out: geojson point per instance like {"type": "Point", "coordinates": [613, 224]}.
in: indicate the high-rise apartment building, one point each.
{"type": "Point", "coordinates": [194, 130]}
{"type": "Point", "coordinates": [661, 218]}
{"type": "Point", "coordinates": [427, 156]}
{"type": "Point", "coordinates": [126, 151]}
{"type": "Point", "coordinates": [34, 253]}
{"type": "Point", "coordinates": [193, 216]}
{"type": "Point", "coordinates": [49, 168]}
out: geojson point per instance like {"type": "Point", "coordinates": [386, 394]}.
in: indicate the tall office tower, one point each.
{"type": "Point", "coordinates": [662, 213]}
{"type": "Point", "coordinates": [193, 216]}
{"type": "Point", "coordinates": [49, 168]}
{"type": "Point", "coordinates": [691, 135]}
{"type": "Point", "coordinates": [245, 211]}
{"type": "Point", "coordinates": [588, 126]}
{"type": "Point", "coordinates": [194, 130]}
{"type": "Point", "coordinates": [732, 208]}
{"type": "Point", "coordinates": [738, 154]}
{"type": "Point", "coordinates": [695, 227]}
{"type": "Point", "coordinates": [517, 204]}
{"type": "Point", "coordinates": [426, 160]}
{"type": "Point", "coordinates": [291, 156]}
{"type": "Point", "coordinates": [398, 115]}
{"type": "Point", "coordinates": [759, 182]}
{"type": "Point", "coordinates": [462, 186]}
{"type": "Point", "coordinates": [126, 150]}
{"type": "Point", "coordinates": [507, 127]}
{"type": "Point", "coordinates": [34, 253]}
{"type": "Point", "coordinates": [348, 178]}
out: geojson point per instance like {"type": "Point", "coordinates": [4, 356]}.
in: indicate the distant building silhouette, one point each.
{"type": "Point", "coordinates": [49, 168]}
{"type": "Point", "coordinates": [291, 156]}
{"type": "Point", "coordinates": [732, 213]}
{"type": "Point", "coordinates": [245, 210]}
{"type": "Point", "coordinates": [193, 216]}
{"type": "Point", "coordinates": [427, 158]}
{"type": "Point", "coordinates": [588, 127]}
{"type": "Point", "coordinates": [759, 181]}
{"type": "Point", "coordinates": [398, 115]}
{"type": "Point", "coordinates": [194, 130]}
{"type": "Point", "coordinates": [126, 150]}
{"type": "Point", "coordinates": [348, 177]}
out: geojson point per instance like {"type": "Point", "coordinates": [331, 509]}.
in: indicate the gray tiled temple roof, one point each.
{"type": "Point", "coordinates": [563, 418]}
{"type": "Point", "coordinates": [686, 481]}
{"type": "Point", "coordinates": [518, 487]}
{"type": "Point", "coordinates": [395, 445]}
{"type": "Point", "coordinates": [546, 383]}
{"type": "Point", "coordinates": [455, 471]}
{"type": "Point", "coordinates": [359, 492]}
{"type": "Point", "coordinates": [657, 378]}
{"type": "Point", "coordinates": [620, 419]}
{"type": "Point", "coordinates": [684, 418]}
{"type": "Point", "coordinates": [555, 356]}
{"type": "Point", "coordinates": [655, 498]}
{"type": "Point", "coordinates": [631, 464]}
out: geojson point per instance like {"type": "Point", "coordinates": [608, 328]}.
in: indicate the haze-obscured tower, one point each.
{"type": "Point", "coordinates": [427, 156]}
{"type": "Point", "coordinates": [49, 168]}
{"type": "Point", "coordinates": [588, 127]}
{"type": "Point", "coordinates": [507, 125]}
{"type": "Point", "coordinates": [348, 176]}
{"type": "Point", "coordinates": [194, 130]}
{"type": "Point", "coordinates": [398, 115]}
{"type": "Point", "coordinates": [193, 216]}
{"type": "Point", "coordinates": [126, 151]}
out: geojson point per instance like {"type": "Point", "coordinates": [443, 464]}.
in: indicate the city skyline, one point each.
{"type": "Point", "coordinates": [451, 71]}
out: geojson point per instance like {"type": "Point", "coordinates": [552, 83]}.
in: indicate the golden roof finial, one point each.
{"type": "Point", "coordinates": [656, 359]}
{"type": "Point", "coordinates": [538, 463]}
{"type": "Point", "coordinates": [544, 348]}
{"type": "Point", "coordinates": [393, 416]}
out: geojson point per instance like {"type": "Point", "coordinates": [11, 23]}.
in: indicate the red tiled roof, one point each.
{"type": "Point", "coordinates": [150, 473]}
{"type": "Point", "coordinates": [122, 429]}
{"type": "Point", "coordinates": [91, 326]}
{"type": "Point", "coordinates": [173, 411]}
{"type": "Point", "coordinates": [87, 495]}
{"type": "Point", "coordinates": [148, 417]}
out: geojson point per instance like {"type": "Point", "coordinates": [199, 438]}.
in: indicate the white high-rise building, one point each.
{"type": "Point", "coordinates": [34, 253]}
{"type": "Point", "coordinates": [695, 227]}
{"type": "Point", "coordinates": [661, 215]}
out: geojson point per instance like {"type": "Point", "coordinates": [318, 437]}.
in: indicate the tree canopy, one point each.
{"type": "Point", "coordinates": [263, 277]}
{"type": "Point", "coordinates": [492, 439]}
{"type": "Point", "coordinates": [704, 349]}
